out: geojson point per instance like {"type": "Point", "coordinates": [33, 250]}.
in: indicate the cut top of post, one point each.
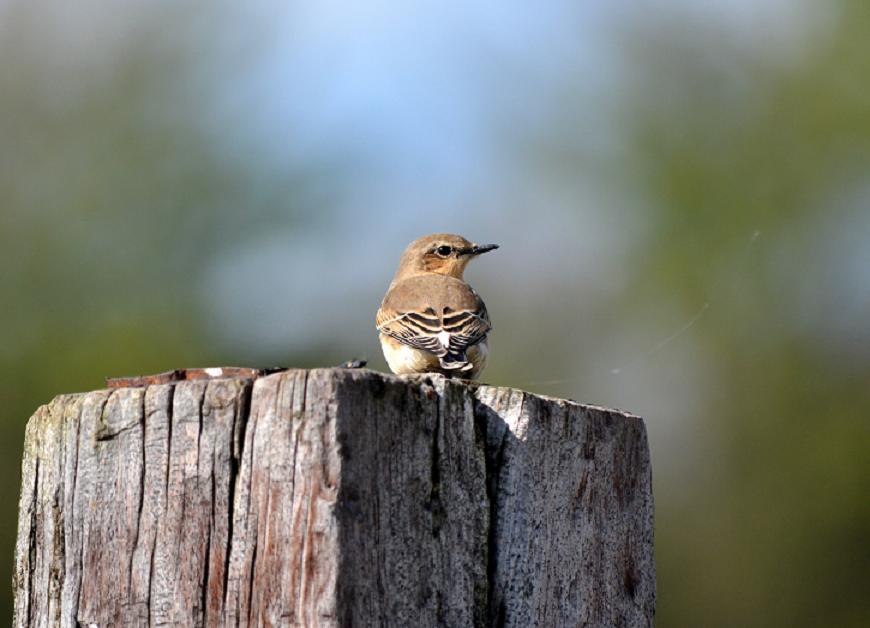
{"type": "Point", "coordinates": [333, 497]}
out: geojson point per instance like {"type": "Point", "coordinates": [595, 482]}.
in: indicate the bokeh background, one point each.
{"type": "Point", "coordinates": [681, 190]}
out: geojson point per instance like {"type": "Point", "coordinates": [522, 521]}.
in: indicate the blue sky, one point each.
{"type": "Point", "coordinates": [430, 106]}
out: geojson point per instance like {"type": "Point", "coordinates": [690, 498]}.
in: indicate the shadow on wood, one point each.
{"type": "Point", "coordinates": [333, 497]}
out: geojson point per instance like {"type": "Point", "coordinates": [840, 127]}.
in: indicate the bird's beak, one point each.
{"type": "Point", "coordinates": [477, 249]}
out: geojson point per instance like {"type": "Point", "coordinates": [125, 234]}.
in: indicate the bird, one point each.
{"type": "Point", "coordinates": [431, 320]}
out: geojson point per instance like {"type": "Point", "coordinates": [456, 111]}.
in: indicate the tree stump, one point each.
{"type": "Point", "coordinates": [333, 497]}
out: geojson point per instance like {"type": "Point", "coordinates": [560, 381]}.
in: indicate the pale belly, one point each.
{"type": "Point", "coordinates": [403, 359]}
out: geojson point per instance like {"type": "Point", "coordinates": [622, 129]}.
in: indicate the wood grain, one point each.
{"type": "Point", "coordinates": [333, 497]}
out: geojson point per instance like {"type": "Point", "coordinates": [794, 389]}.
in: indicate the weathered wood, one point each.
{"type": "Point", "coordinates": [333, 497]}
{"type": "Point", "coordinates": [180, 375]}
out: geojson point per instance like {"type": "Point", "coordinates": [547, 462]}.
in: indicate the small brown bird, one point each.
{"type": "Point", "coordinates": [430, 320]}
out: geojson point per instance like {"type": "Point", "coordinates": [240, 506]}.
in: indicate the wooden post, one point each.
{"type": "Point", "coordinates": [333, 497]}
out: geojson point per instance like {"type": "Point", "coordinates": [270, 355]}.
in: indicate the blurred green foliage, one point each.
{"type": "Point", "coordinates": [753, 175]}
{"type": "Point", "coordinates": [729, 145]}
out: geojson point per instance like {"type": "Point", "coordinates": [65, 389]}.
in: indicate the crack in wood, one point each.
{"type": "Point", "coordinates": [434, 505]}
{"type": "Point", "coordinates": [34, 530]}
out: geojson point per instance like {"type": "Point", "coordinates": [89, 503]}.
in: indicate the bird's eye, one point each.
{"type": "Point", "coordinates": [444, 250]}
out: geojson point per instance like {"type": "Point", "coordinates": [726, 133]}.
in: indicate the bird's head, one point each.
{"type": "Point", "coordinates": [440, 253]}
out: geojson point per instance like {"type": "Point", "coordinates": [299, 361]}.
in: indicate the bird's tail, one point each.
{"type": "Point", "coordinates": [455, 362]}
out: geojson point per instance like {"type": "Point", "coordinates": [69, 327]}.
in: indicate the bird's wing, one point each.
{"type": "Point", "coordinates": [432, 325]}
{"type": "Point", "coordinates": [413, 328]}
{"type": "Point", "coordinates": [465, 329]}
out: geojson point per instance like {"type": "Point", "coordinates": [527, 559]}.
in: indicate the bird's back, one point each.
{"type": "Point", "coordinates": [433, 291]}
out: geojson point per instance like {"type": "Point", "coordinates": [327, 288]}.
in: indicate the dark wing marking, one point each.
{"type": "Point", "coordinates": [412, 329]}
{"type": "Point", "coordinates": [448, 338]}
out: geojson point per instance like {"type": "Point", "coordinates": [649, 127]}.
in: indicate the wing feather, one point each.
{"type": "Point", "coordinates": [441, 339]}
